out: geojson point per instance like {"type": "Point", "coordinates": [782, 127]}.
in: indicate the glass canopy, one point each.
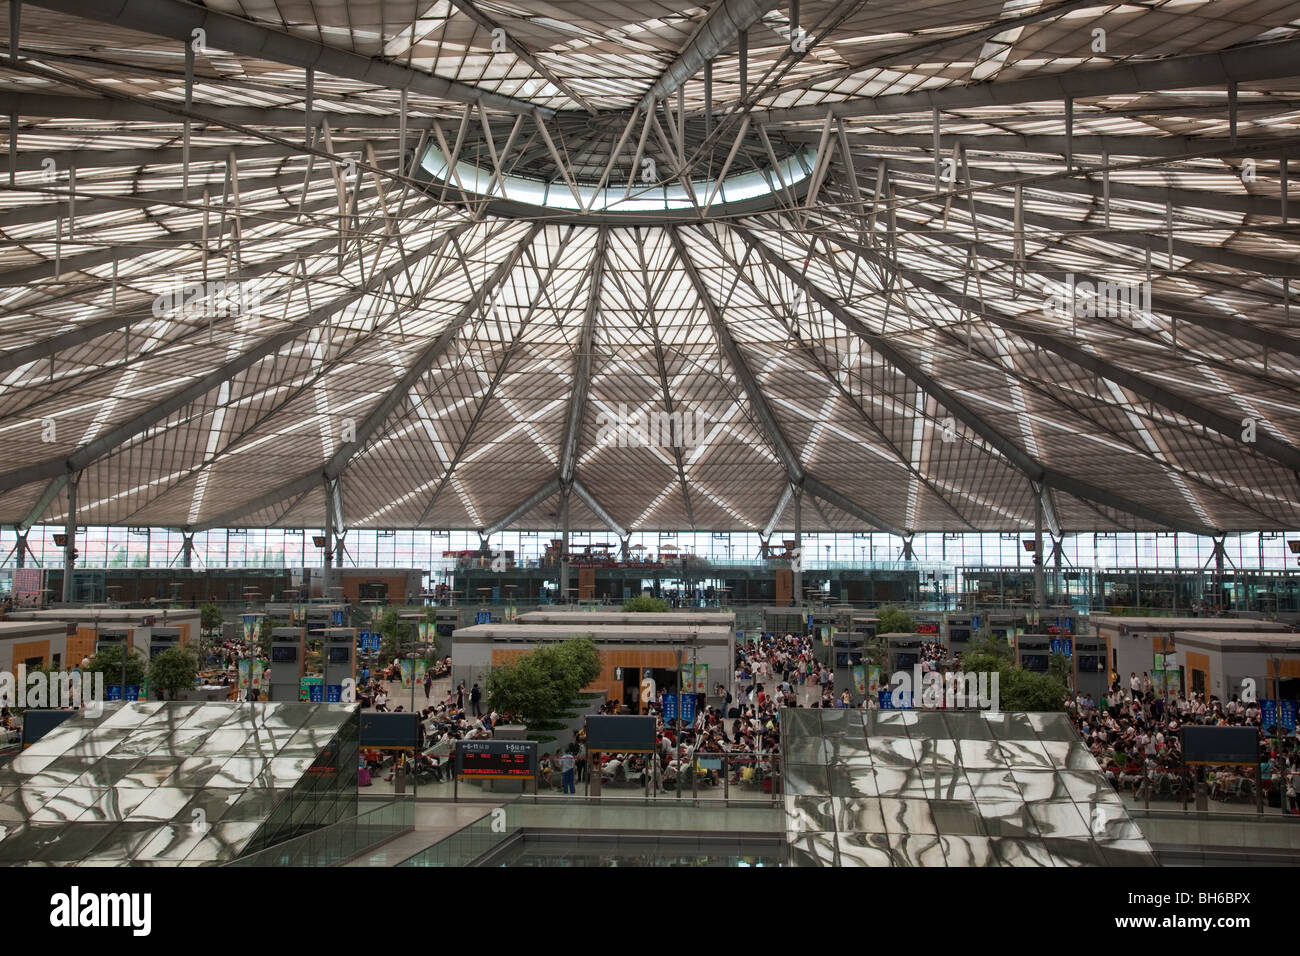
{"type": "Point", "coordinates": [166, 784]}
{"type": "Point", "coordinates": [922, 788]}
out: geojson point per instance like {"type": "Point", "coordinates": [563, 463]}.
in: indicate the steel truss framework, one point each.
{"type": "Point", "coordinates": [1039, 272]}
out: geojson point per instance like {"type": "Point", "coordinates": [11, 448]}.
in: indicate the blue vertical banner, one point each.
{"type": "Point", "coordinates": [687, 705]}
{"type": "Point", "coordinates": [1267, 714]}
{"type": "Point", "coordinates": [1063, 646]}
{"type": "Point", "coordinates": [1270, 713]}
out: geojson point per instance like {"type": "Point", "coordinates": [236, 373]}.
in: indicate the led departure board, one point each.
{"type": "Point", "coordinates": [496, 759]}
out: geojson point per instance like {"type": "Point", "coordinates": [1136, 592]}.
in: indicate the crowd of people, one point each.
{"type": "Point", "coordinates": [739, 735]}
{"type": "Point", "coordinates": [1135, 735]}
{"type": "Point", "coordinates": [11, 728]}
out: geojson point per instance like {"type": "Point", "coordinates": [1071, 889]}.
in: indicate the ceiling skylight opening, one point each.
{"type": "Point", "coordinates": [654, 197]}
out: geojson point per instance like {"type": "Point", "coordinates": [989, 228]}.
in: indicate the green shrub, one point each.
{"type": "Point", "coordinates": [894, 620]}
{"type": "Point", "coordinates": [645, 604]}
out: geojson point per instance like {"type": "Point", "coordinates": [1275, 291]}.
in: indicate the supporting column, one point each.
{"type": "Point", "coordinates": [21, 547]}
{"type": "Point", "coordinates": [1038, 554]}
{"type": "Point", "coordinates": [329, 540]}
{"type": "Point", "coordinates": [1219, 543]}
{"type": "Point", "coordinates": [1058, 547]}
{"type": "Point", "coordinates": [797, 564]}
{"type": "Point", "coordinates": [70, 544]}
{"type": "Point", "coordinates": [187, 549]}
{"type": "Point", "coordinates": [624, 547]}
{"type": "Point", "coordinates": [908, 553]}
{"type": "Point", "coordinates": [564, 546]}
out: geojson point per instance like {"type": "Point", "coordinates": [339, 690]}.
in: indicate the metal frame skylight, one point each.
{"type": "Point", "coordinates": [640, 197]}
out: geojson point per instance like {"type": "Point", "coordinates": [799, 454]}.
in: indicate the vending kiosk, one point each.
{"type": "Point", "coordinates": [288, 662]}
{"type": "Point", "coordinates": [339, 656]}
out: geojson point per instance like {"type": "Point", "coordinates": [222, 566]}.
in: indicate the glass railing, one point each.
{"type": "Point", "coordinates": [465, 845]}
{"type": "Point", "coordinates": [331, 845]}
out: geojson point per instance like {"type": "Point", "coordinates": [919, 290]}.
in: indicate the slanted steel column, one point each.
{"type": "Point", "coordinates": [1058, 548]}
{"type": "Point", "coordinates": [797, 564]}
{"type": "Point", "coordinates": [564, 545]}
{"type": "Point", "coordinates": [1219, 543]}
{"type": "Point", "coordinates": [187, 549]}
{"type": "Point", "coordinates": [70, 544]}
{"type": "Point", "coordinates": [908, 553]}
{"type": "Point", "coordinates": [1038, 553]}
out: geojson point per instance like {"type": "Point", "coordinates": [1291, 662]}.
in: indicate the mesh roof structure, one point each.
{"type": "Point", "coordinates": [926, 265]}
{"type": "Point", "coordinates": [915, 788]}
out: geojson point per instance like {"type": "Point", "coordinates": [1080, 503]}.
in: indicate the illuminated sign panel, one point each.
{"type": "Point", "coordinates": [496, 759]}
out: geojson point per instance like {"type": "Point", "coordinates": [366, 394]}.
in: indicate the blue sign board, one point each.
{"type": "Point", "coordinates": [687, 705]}
{"type": "Point", "coordinates": [483, 617]}
{"type": "Point", "coordinates": [334, 694]}
{"type": "Point", "coordinates": [887, 700]}
{"type": "Point", "coordinates": [1268, 714]}
{"type": "Point", "coordinates": [114, 692]}
{"type": "Point", "coordinates": [316, 693]}
{"type": "Point", "coordinates": [1063, 645]}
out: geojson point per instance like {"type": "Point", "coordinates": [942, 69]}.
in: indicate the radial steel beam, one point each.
{"type": "Point", "coordinates": [1042, 492]}
{"type": "Point", "coordinates": [59, 106]}
{"type": "Point", "coordinates": [482, 19]}
{"type": "Point", "coordinates": [1265, 445]}
{"type": "Point", "coordinates": [787, 492]}
{"type": "Point", "coordinates": [397, 393]}
{"type": "Point", "coordinates": [86, 454]}
{"type": "Point", "coordinates": [517, 340]}
{"type": "Point", "coordinates": [582, 367]}
{"type": "Point", "coordinates": [811, 355]}
{"type": "Point", "coordinates": [178, 21]}
{"type": "Point", "coordinates": [753, 390]}
{"type": "Point", "coordinates": [95, 328]}
{"type": "Point", "coordinates": [231, 517]}
{"type": "Point", "coordinates": [600, 512]}
{"type": "Point", "coordinates": [1250, 62]}
{"type": "Point", "coordinates": [715, 34]}
{"type": "Point", "coordinates": [849, 506]}
{"type": "Point", "coordinates": [547, 490]}
{"type": "Point", "coordinates": [1238, 329]}
{"type": "Point", "coordinates": [47, 497]}
{"type": "Point", "coordinates": [1051, 146]}
{"type": "Point", "coordinates": [1018, 458]}
{"type": "Point", "coordinates": [26, 275]}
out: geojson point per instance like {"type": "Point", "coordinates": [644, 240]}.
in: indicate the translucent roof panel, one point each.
{"type": "Point", "coordinates": [939, 265]}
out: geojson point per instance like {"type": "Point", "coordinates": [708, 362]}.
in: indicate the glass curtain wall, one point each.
{"type": "Point", "coordinates": [102, 547]}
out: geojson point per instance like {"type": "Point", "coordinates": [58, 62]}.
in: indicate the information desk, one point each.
{"type": "Point", "coordinates": [496, 759]}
